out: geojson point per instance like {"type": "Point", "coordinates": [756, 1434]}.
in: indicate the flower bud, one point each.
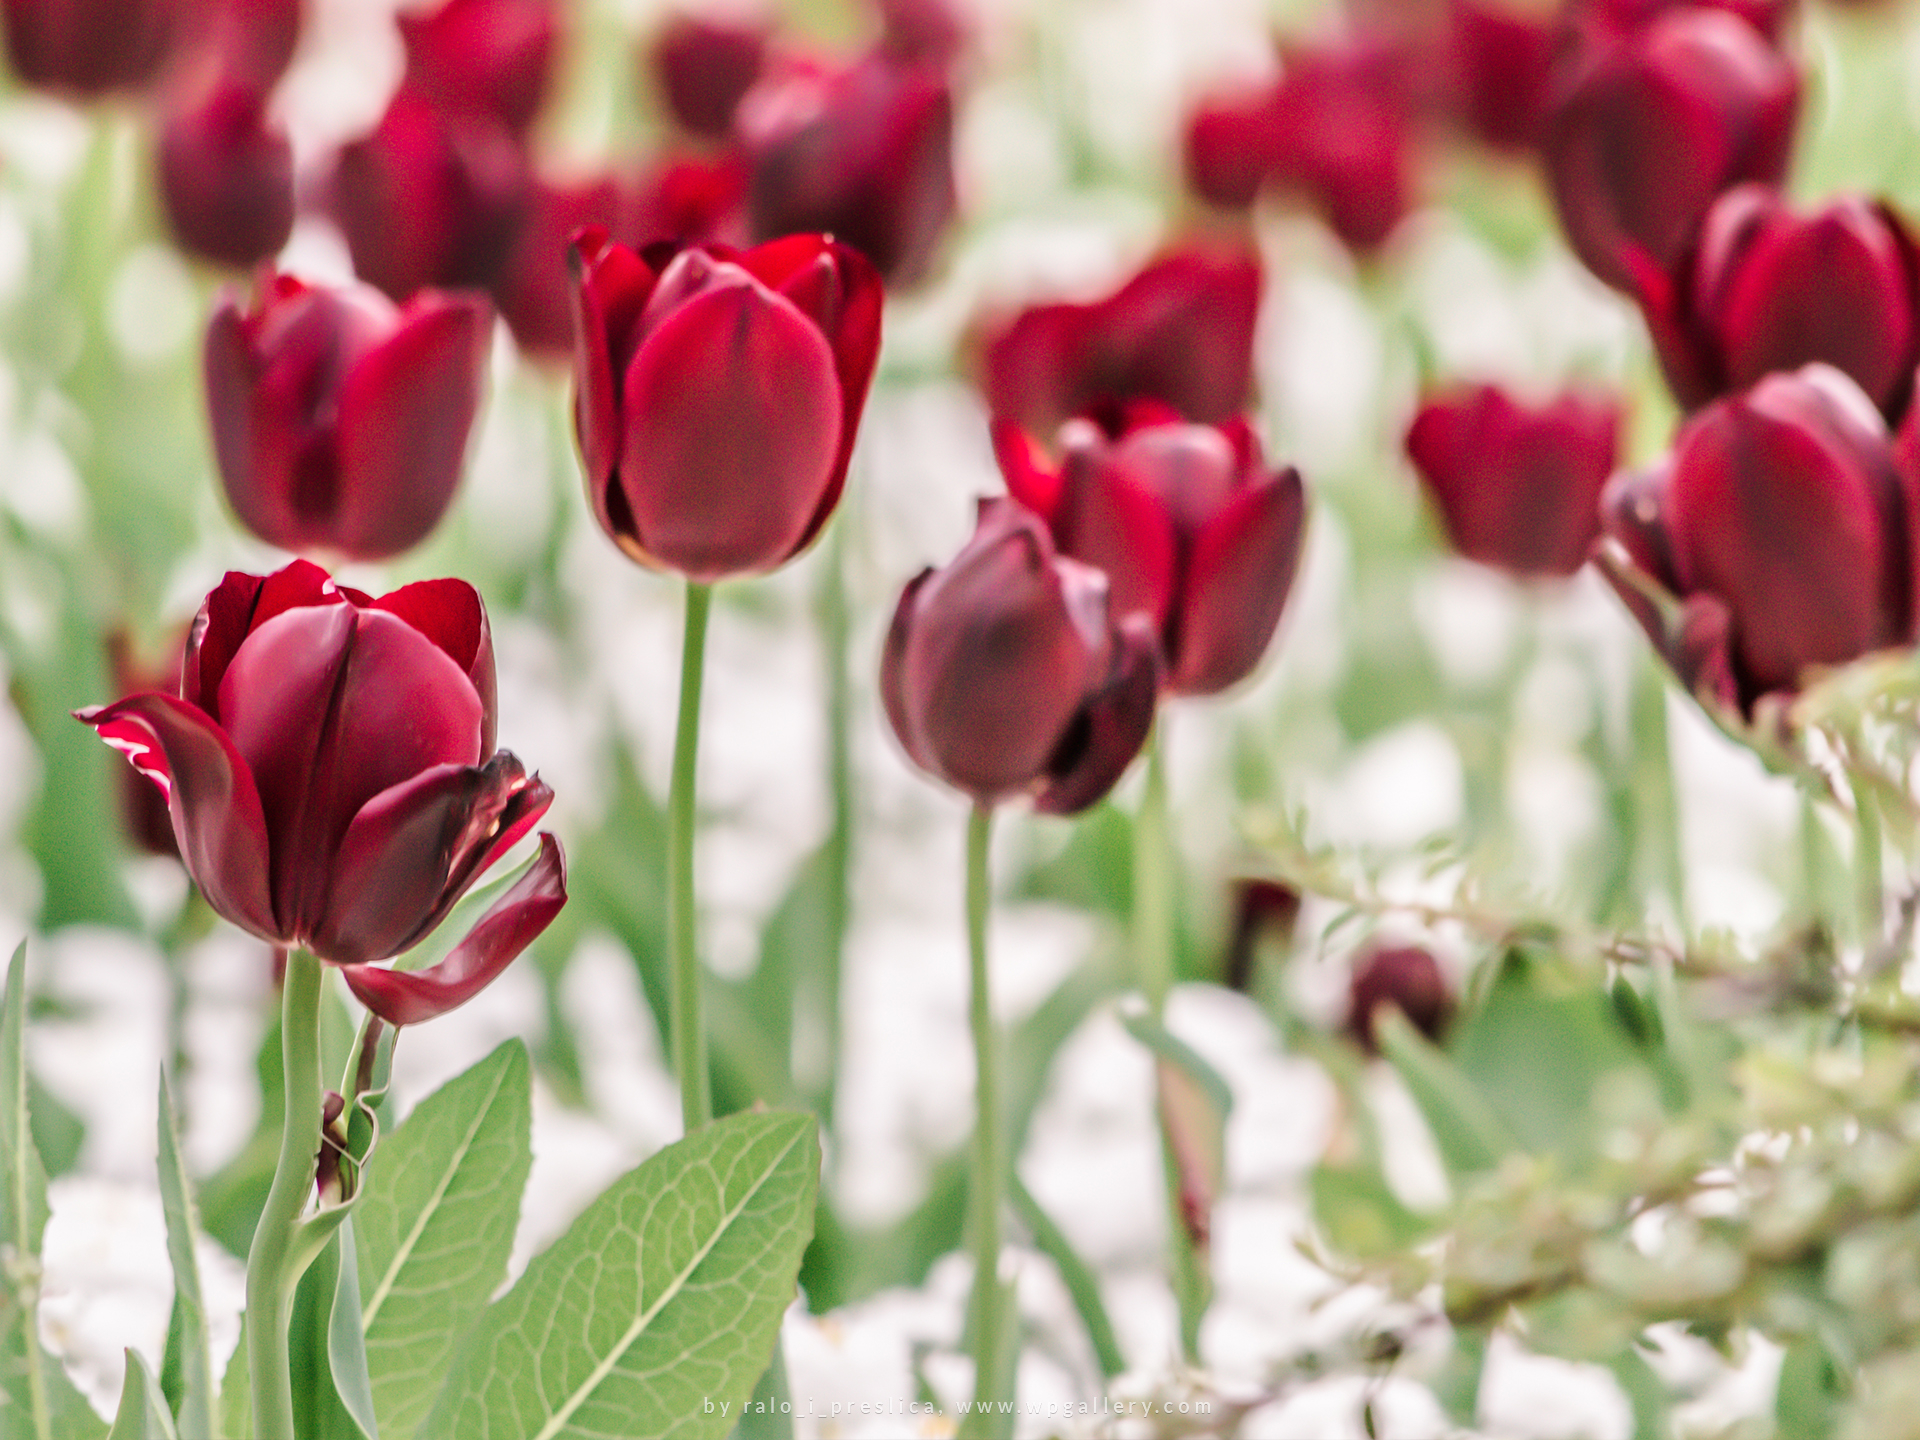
{"type": "Point", "coordinates": [1518, 488]}
{"type": "Point", "coordinates": [1263, 910]}
{"type": "Point", "coordinates": [86, 48]}
{"type": "Point", "coordinates": [703, 67]}
{"type": "Point", "coordinates": [226, 178]}
{"type": "Point", "coordinates": [340, 423]}
{"type": "Point", "coordinates": [717, 394]}
{"type": "Point", "coordinates": [1405, 977]}
{"type": "Point", "coordinates": [1006, 673]}
{"type": "Point", "coordinates": [493, 59]}
{"type": "Point", "coordinates": [1502, 64]}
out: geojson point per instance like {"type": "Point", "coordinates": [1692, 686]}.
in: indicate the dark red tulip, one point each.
{"type": "Point", "coordinates": [1768, 288]}
{"type": "Point", "coordinates": [1191, 527]}
{"type": "Point", "coordinates": [1780, 527]}
{"type": "Point", "coordinates": [1612, 19]}
{"type": "Point", "coordinates": [330, 771]}
{"type": "Point", "coordinates": [533, 291]}
{"type": "Point", "coordinates": [226, 178]}
{"type": "Point", "coordinates": [88, 47]}
{"type": "Point", "coordinates": [693, 199]}
{"type": "Point", "coordinates": [1502, 60]}
{"type": "Point", "coordinates": [339, 422]}
{"type": "Point", "coordinates": [143, 809]}
{"type": "Point", "coordinates": [930, 32]}
{"type": "Point", "coordinates": [1006, 672]}
{"type": "Point", "coordinates": [1179, 332]}
{"type": "Point", "coordinates": [1405, 977]}
{"type": "Point", "coordinates": [492, 59]}
{"type": "Point", "coordinates": [246, 42]}
{"type": "Point", "coordinates": [717, 394]}
{"type": "Point", "coordinates": [1656, 127]}
{"type": "Point", "coordinates": [704, 66]}
{"type": "Point", "coordinates": [863, 153]}
{"type": "Point", "coordinates": [1517, 487]}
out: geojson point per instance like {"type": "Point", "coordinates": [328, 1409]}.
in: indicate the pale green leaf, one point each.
{"type": "Point", "coordinates": [199, 1394]}
{"type": "Point", "coordinates": [143, 1409]}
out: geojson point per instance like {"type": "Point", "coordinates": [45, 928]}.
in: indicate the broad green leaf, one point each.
{"type": "Point", "coordinates": [199, 1395]}
{"type": "Point", "coordinates": [1646, 1392]}
{"type": "Point", "coordinates": [1457, 1386]}
{"type": "Point", "coordinates": [1359, 1214]}
{"type": "Point", "coordinates": [655, 1313]}
{"type": "Point", "coordinates": [330, 1400]}
{"type": "Point", "coordinates": [143, 1409]}
{"type": "Point", "coordinates": [435, 1225]}
{"type": "Point", "coordinates": [1807, 1403]}
{"type": "Point", "coordinates": [1467, 1132]}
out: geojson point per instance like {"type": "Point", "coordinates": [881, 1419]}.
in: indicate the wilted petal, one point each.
{"type": "Point", "coordinates": [1238, 578]}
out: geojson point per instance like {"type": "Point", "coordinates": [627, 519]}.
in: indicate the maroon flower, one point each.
{"type": "Point", "coordinates": [492, 59]}
{"type": "Point", "coordinates": [1776, 536]}
{"type": "Point", "coordinates": [1767, 288]}
{"type": "Point", "coordinates": [1192, 529]}
{"type": "Point", "coordinates": [340, 423]}
{"type": "Point", "coordinates": [226, 177]}
{"type": "Point", "coordinates": [703, 67]}
{"type": "Point", "coordinates": [1006, 672]}
{"type": "Point", "coordinates": [1180, 332]}
{"type": "Point", "coordinates": [87, 47]}
{"type": "Point", "coordinates": [534, 289]}
{"type": "Point", "coordinates": [1502, 60]}
{"type": "Point", "coordinates": [931, 32]}
{"type": "Point", "coordinates": [693, 199]}
{"type": "Point", "coordinates": [1405, 977]}
{"type": "Point", "coordinates": [330, 770]}
{"type": "Point", "coordinates": [1518, 488]}
{"type": "Point", "coordinates": [1263, 910]}
{"type": "Point", "coordinates": [717, 395]}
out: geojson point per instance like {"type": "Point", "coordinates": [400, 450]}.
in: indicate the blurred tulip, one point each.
{"type": "Point", "coordinates": [226, 178]}
{"type": "Point", "coordinates": [1767, 289]}
{"type": "Point", "coordinates": [1612, 19]}
{"type": "Point", "coordinates": [1518, 488]}
{"type": "Point", "coordinates": [1180, 332]}
{"type": "Point", "coordinates": [929, 32]}
{"type": "Point", "coordinates": [1781, 528]}
{"type": "Point", "coordinates": [86, 48]}
{"type": "Point", "coordinates": [492, 59]}
{"type": "Point", "coordinates": [863, 153]}
{"type": "Point", "coordinates": [340, 423]}
{"type": "Point", "coordinates": [693, 199]}
{"type": "Point", "coordinates": [1405, 977]}
{"type": "Point", "coordinates": [1502, 62]}
{"type": "Point", "coordinates": [533, 291]}
{"type": "Point", "coordinates": [1262, 910]}
{"type": "Point", "coordinates": [703, 67]}
{"type": "Point", "coordinates": [330, 771]}
{"type": "Point", "coordinates": [717, 394]}
{"type": "Point", "coordinates": [1190, 526]}
{"type": "Point", "coordinates": [1006, 673]}
{"type": "Point", "coordinates": [1656, 127]}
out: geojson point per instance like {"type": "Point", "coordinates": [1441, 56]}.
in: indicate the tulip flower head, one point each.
{"type": "Point", "coordinates": [1191, 528]}
{"type": "Point", "coordinates": [226, 177]}
{"type": "Point", "coordinates": [717, 396]}
{"type": "Point", "coordinates": [1406, 977]}
{"type": "Point", "coordinates": [1007, 672]}
{"type": "Point", "coordinates": [703, 66]}
{"type": "Point", "coordinates": [330, 772]}
{"type": "Point", "coordinates": [492, 58]}
{"type": "Point", "coordinates": [339, 422]}
{"type": "Point", "coordinates": [87, 47]}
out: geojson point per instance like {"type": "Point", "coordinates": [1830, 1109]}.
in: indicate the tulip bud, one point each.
{"type": "Point", "coordinates": [340, 423]}
{"type": "Point", "coordinates": [1405, 977]}
{"type": "Point", "coordinates": [1656, 127]}
{"type": "Point", "coordinates": [493, 59]}
{"type": "Point", "coordinates": [88, 47]}
{"type": "Point", "coordinates": [226, 178]}
{"type": "Point", "coordinates": [1517, 488]}
{"type": "Point", "coordinates": [1262, 910]}
{"type": "Point", "coordinates": [1780, 526]}
{"type": "Point", "coordinates": [328, 766]}
{"type": "Point", "coordinates": [1006, 673]}
{"type": "Point", "coordinates": [1191, 528]}
{"type": "Point", "coordinates": [1179, 332]}
{"type": "Point", "coordinates": [534, 289]}
{"type": "Point", "coordinates": [717, 394]}
{"type": "Point", "coordinates": [1502, 61]}
{"type": "Point", "coordinates": [1767, 289]}
{"type": "Point", "coordinates": [704, 67]}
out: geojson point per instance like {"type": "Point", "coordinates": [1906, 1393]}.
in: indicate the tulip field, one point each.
{"type": "Point", "coordinates": [886, 719]}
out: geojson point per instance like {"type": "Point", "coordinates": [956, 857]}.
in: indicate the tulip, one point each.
{"type": "Point", "coordinates": [1191, 528]}
{"type": "Point", "coordinates": [1263, 910]}
{"type": "Point", "coordinates": [226, 178]}
{"type": "Point", "coordinates": [488, 58]}
{"type": "Point", "coordinates": [339, 422]}
{"type": "Point", "coordinates": [533, 289]}
{"type": "Point", "coordinates": [1779, 529]}
{"type": "Point", "coordinates": [238, 42]}
{"type": "Point", "coordinates": [330, 771]}
{"type": "Point", "coordinates": [1007, 672]}
{"type": "Point", "coordinates": [1404, 977]}
{"type": "Point", "coordinates": [863, 153]}
{"type": "Point", "coordinates": [717, 395]}
{"type": "Point", "coordinates": [1502, 62]}
{"type": "Point", "coordinates": [1612, 19]}
{"type": "Point", "coordinates": [1179, 332]}
{"type": "Point", "coordinates": [704, 67]}
{"type": "Point", "coordinates": [931, 32]}
{"type": "Point", "coordinates": [87, 47]}
{"type": "Point", "coordinates": [694, 199]}
{"type": "Point", "coordinates": [1768, 288]}
{"type": "Point", "coordinates": [1518, 488]}
{"type": "Point", "coordinates": [1656, 127]}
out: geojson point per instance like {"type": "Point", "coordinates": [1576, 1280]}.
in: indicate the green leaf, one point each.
{"type": "Point", "coordinates": [1467, 1132]}
{"type": "Point", "coordinates": [655, 1313]}
{"type": "Point", "coordinates": [236, 1392]}
{"type": "Point", "coordinates": [329, 1372]}
{"type": "Point", "coordinates": [1807, 1403]}
{"type": "Point", "coordinates": [199, 1395]}
{"type": "Point", "coordinates": [1359, 1214]}
{"type": "Point", "coordinates": [143, 1409]}
{"type": "Point", "coordinates": [1078, 1276]}
{"type": "Point", "coordinates": [1647, 1394]}
{"type": "Point", "coordinates": [435, 1226]}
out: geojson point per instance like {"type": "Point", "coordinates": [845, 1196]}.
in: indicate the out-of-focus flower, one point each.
{"type": "Point", "coordinates": [339, 422]}
{"type": "Point", "coordinates": [863, 153]}
{"type": "Point", "coordinates": [143, 809]}
{"type": "Point", "coordinates": [533, 289]}
{"type": "Point", "coordinates": [1776, 536]}
{"type": "Point", "coordinates": [1611, 19]}
{"type": "Point", "coordinates": [1650, 131]}
{"type": "Point", "coordinates": [717, 396]}
{"type": "Point", "coordinates": [1006, 672]}
{"type": "Point", "coordinates": [247, 42]}
{"type": "Point", "coordinates": [1767, 288]}
{"type": "Point", "coordinates": [703, 66]}
{"type": "Point", "coordinates": [488, 58]}
{"type": "Point", "coordinates": [693, 199]}
{"type": "Point", "coordinates": [1191, 527]}
{"type": "Point", "coordinates": [930, 32]}
{"type": "Point", "coordinates": [1262, 910]}
{"type": "Point", "coordinates": [88, 47]}
{"type": "Point", "coordinates": [1179, 332]}
{"type": "Point", "coordinates": [1502, 67]}
{"type": "Point", "coordinates": [226, 177]}
{"type": "Point", "coordinates": [330, 770]}
{"type": "Point", "coordinates": [1517, 487]}
{"type": "Point", "coordinates": [1405, 977]}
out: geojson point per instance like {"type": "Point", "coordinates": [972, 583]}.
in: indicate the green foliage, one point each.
{"type": "Point", "coordinates": [143, 1413]}
{"type": "Point", "coordinates": [189, 1345]}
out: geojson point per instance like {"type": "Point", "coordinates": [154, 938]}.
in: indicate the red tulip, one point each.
{"type": "Point", "coordinates": [87, 47]}
{"type": "Point", "coordinates": [340, 423]}
{"type": "Point", "coordinates": [1502, 61]}
{"type": "Point", "coordinates": [244, 42]}
{"type": "Point", "coordinates": [693, 199]}
{"type": "Point", "coordinates": [704, 67]}
{"type": "Point", "coordinates": [488, 58]}
{"type": "Point", "coordinates": [534, 290]}
{"type": "Point", "coordinates": [930, 32]}
{"type": "Point", "coordinates": [1518, 488]}
{"type": "Point", "coordinates": [1192, 529]}
{"type": "Point", "coordinates": [717, 395]}
{"type": "Point", "coordinates": [1180, 332]}
{"type": "Point", "coordinates": [1006, 673]}
{"type": "Point", "coordinates": [330, 770]}
{"type": "Point", "coordinates": [226, 178]}
{"type": "Point", "coordinates": [1405, 977]}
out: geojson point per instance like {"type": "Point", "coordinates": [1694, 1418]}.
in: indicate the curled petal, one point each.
{"type": "Point", "coordinates": [1110, 728]}
{"type": "Point", "coordinates": [1238, 578]}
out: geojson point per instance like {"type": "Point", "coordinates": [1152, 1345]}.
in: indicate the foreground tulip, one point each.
{"type": "Point", "coordinates": [718, 394]}
{"type": "Point", "coordinates": [143, 809]}
{"type": "Point", "coordinates": [490, 58]}
{"type": "Point", "coordinates": [339, 422]}
{"type": "Point", "coordinates": [330, 770]}
{"type": "Point", "coordinates": [1191, 528]}
{"type": "Point", "coordinates": [1767, 288]}
{"type": "Point", "coordinates": [87, 47]}
{"type": "Point", "coordinates": [1518, 488]}
{"type": "Point", "coordinates": [226, 178]}
{"type": "Point", "coordinates": [1782, 527]}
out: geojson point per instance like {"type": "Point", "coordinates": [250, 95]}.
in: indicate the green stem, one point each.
{"type": "Point", "coordinates": [836, 633]}
{"type": "Point", "coordinates": [273, 1267]}
{"type": "Point", "coordinates": [689, 1030]}
{"type": "Point", "coordinates": [987, 1309]}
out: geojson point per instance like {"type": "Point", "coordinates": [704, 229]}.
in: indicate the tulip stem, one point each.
{"type": "Point", "coordinates": [987, 1317]}
{"type": "Point", "coordinates": [689, 1029]}
{"type": "Point", "coordinates": [273, 1266]}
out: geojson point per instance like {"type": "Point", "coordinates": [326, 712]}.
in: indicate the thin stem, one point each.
{"type": "Point", "coordinates": [987, 1309]}
{"type": "Point", "coordinates": [836, 634]}
{"type": "Point", "coordinates": [273, 1268]}
{"type": "Point", "coordinates": [689, 1029]}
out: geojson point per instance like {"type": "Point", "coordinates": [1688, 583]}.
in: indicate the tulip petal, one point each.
{"type": "Point", "coordinates": [611, 286]}
{"type": "Point", "coordinates": [1108, 518]}
{"type": "Point", "coordinates": [893, 671]}
{"type": "Point", "coordinates": [451, 614]}
{"type": "Point", "coordinates": [1031, 478]}
{"type": "Point", "coordinates": [407, 997]}
{"type": "Point", "coordinates": [231, 611]}
{"type": "Point", "coordinates": [1110, 728]}
{"type": "Point", "coordinates": [1238, 578]}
